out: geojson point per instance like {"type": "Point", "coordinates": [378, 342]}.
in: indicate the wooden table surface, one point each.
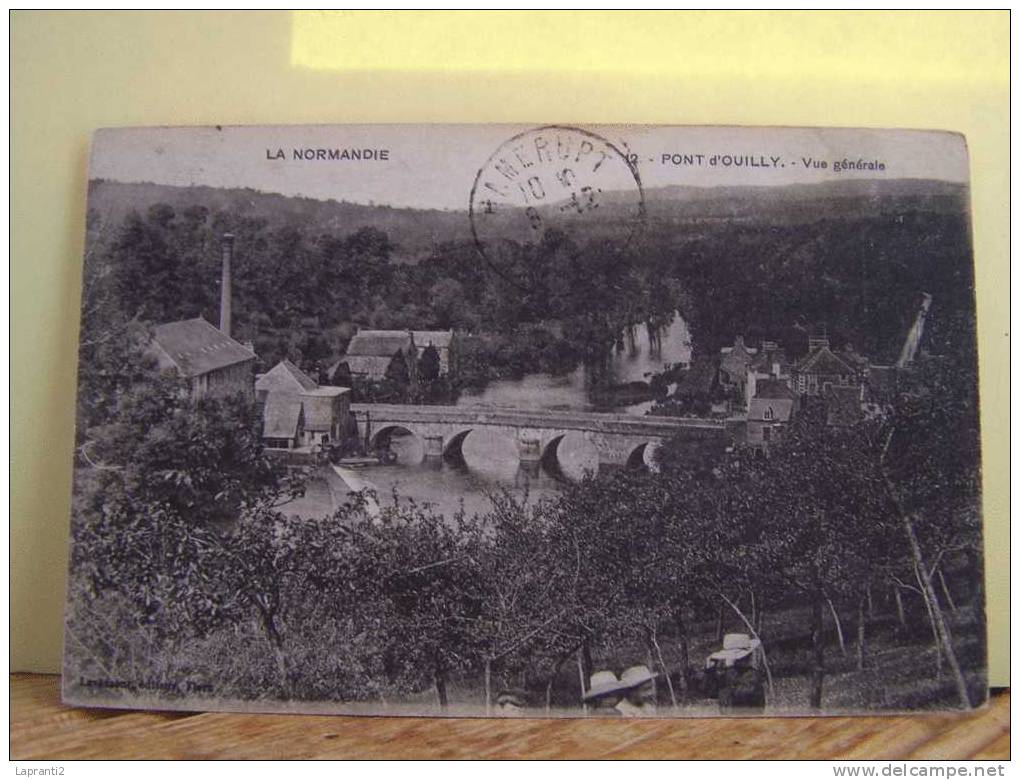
{"type": "Point", "coordinates": [42, 728]}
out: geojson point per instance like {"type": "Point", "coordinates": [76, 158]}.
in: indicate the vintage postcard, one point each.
{"type": "Point", "coordinates": [603, 421]}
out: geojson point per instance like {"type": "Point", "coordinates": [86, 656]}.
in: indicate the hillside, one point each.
{"type": "Point", "coordinates": [416, 232]}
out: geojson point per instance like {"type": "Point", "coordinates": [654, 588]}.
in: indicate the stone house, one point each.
{"type": "Point", "coordinates": [370, 353]}
{"type": "Point", "coordinates": [822, 367]}
{"type": "Point", "coordinates": [774, 405]}
{"type": "Point", "coordinates": [297, 412]}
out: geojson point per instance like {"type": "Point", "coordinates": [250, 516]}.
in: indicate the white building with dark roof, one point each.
{"type": "Point", "coordinates": [211, 361]}
{"type": "Point", "coordinates": [772, 407]}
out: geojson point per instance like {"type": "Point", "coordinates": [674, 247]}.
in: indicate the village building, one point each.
{"type": "Point", "coordinates": [774, 405]}
{"type": "Point", "coordinates": [822, 367]}
{"type": "Point", "coordinates": [326, 414]}
{"type": "Point", "coordinates": [734, 364]}
{"type": "Point", "coordinates": [371, 352]}
{"type": "Point", "coordinates": [283, 425]}
{"type": "Point", "coordinates": [777, 389]}
{"type": "Point", "coordinates": [297, 412]}
{"type": "Point", "coordinates": [770, 363]}
{"type": "Point", "coordinates": [212, 362]}
{"type": "Point", "coordinates": [445, 343]}
{"type": "Point", "coordinates": [284, 377]}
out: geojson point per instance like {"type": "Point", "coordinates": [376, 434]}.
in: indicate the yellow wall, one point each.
{"type": "Point", "coordinates": [72, 72]}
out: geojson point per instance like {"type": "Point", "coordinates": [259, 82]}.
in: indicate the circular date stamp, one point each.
{"type": "Point", "coordinates": [554, 178]}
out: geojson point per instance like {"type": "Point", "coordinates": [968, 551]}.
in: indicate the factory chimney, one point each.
{"type": "Point", "coordinates": [225, 284]}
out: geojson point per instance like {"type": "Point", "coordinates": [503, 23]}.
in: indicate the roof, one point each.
{"type": "Point", "coordinates": [440, 339]}
{"type": "Point", "coordinates": [326, 391]}
{"type": "Point", "coordinates": [379, 342]}
{"type": "Point", "coordinates": [368, 365]}
{"type": "Point", "coordinates": [281, 415]}
{"type": "Point", "coordinates": [842, 404]}
{"type": "Point", "coordinates": [194, 347]}
{"type": "Point", "coordinates": [287, 377]}
{"type": "Point", "coordinates": [824, 361]}
{"type": "Point", "coordinates": [773, 388]}
{"type": "Point", "coordinates": [770, 409]}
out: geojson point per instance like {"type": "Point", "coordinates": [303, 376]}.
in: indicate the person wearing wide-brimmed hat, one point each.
{"type": "Point", "coordinates": [511, 703]}
{"type": "Point", "coordinates": [639, 699]}
{"type": "Point", "coordinates": [604, 692]}
{"type": "Point", "coordinates": [631, 695]}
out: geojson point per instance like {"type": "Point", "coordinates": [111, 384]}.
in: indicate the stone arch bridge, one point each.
{"type": "Point", "coordinates": [619, 440]}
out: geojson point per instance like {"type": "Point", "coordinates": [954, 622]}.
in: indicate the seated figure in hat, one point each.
{"type": "Point", "coordinates": [639, 699]}
{"type": "Point", "coordinates": [630, 696]}
{"type": "Point", "coordinates": [511, 703]}
{"type": "Point", "coordinates": [603, 694]}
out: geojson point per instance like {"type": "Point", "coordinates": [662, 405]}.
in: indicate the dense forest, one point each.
{"type": "Point", "coordinates": [309, 273]}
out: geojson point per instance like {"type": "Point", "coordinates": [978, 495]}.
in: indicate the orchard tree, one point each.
{"type": "Point", "coordinates": [928, 454]}
{"type": "Point", "coordinates": [527, 593]}
{"type": "Point", "coordinates": [819, 520]}
{"type": "Point", "coordinates": [427, 581]}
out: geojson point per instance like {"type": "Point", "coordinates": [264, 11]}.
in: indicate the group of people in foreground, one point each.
{"type": "Point", "coordinates": [732, 675]}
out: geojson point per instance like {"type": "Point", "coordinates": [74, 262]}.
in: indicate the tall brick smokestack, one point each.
{"type": "Point", "coordinates": [225, 283]}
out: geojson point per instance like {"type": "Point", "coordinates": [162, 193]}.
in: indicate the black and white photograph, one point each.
{"type": "Point", "coordinates": [527, 421]}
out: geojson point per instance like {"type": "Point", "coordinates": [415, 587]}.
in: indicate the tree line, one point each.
{"type": "Point", "coordinates": [300, 292]}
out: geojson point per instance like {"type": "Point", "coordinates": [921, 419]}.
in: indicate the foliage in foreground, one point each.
{"type": "Point", "coordinates": [186, 566]}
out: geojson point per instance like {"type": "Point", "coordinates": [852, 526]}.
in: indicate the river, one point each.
{"type": "Point", "coordinates": [491, 461]}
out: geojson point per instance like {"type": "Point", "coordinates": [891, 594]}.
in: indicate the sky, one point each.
{"type": "Point", "coordinates": [435, 166]}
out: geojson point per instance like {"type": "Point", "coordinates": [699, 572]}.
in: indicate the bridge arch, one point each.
{"type": "Point", "coordinates": [453, 446]}
{"type": "Point", "coordinates": [550, 455]}
{"type": "Point", "coordinates": [382, 436]}
{"type": "Point", "coordinates": [642, 456]}
{"type": "Point", "coordinates": [580, 446]}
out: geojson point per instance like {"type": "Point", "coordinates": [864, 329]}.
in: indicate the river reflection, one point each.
{"type": "Point", "coordinates": [632, 363]}
{"type": "Point", "coordinates": [490, 463]}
